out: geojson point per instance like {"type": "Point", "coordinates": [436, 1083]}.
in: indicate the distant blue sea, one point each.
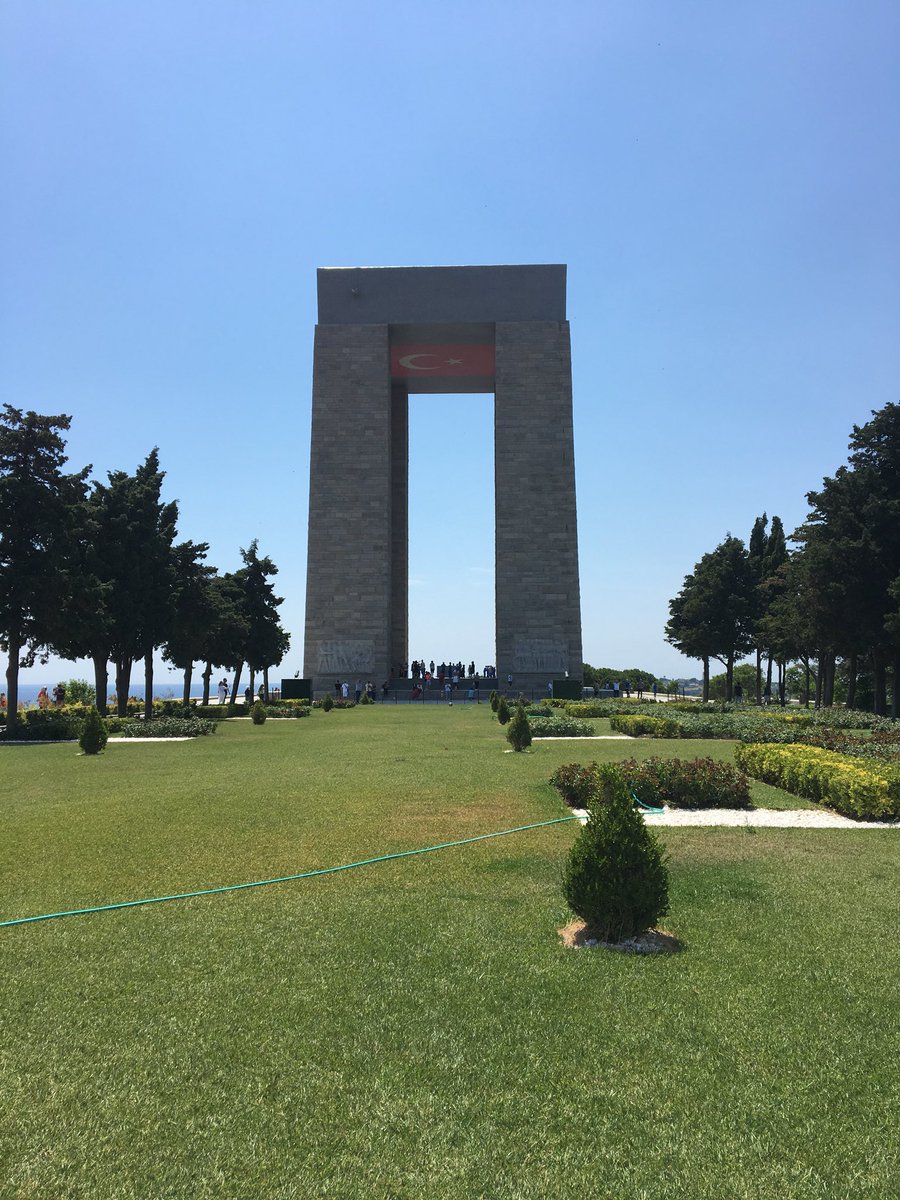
{"type": "Point", "coordinates": [28, 692]}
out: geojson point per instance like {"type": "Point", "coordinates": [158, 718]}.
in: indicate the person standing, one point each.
{"type": "Point", "coordinates": [223, 691]}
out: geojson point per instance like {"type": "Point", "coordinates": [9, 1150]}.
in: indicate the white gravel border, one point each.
{"type": "Point", "coordinates": [757, 818]}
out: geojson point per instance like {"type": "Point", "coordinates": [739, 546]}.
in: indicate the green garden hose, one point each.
{"type": "Point", "coordinates": [235, 887]}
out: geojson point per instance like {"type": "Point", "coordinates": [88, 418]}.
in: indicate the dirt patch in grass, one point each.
{"type": "Point", "coordinates": [578, 935]}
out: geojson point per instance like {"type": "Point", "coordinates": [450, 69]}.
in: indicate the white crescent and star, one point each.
{"type": "Point", "coordinates": [407, 362]}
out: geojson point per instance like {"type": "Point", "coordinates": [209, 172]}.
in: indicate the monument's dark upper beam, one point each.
{"type": "Point", "coordinates": [422, 295]}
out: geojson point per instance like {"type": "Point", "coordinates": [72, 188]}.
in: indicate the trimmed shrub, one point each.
{"type": "Point", "coordinates": [94, 734]}
{"type": "Point", "coordinates": [495, 701]}
{"type": "Point", "coordinates": [575, 783]}
{"type": "Point", "coordinates": [287, 711]}
{"type": "Point", "coordinates": [258, 713]}
{"type": "Point", "coordinates": [162, 727]}
{"type": "Point", "coordinates": [637, 726]}
{"type": "Point", "coordinates": [519, 734]}
{"type": "Point", "coordinates": [683, 783]}
{"type": "Point", "coordinates": [503, 713]}
{"type": "Point", "coordinates": [615, 877]}
{"type": "Point", "coordinates": [864, 791]}
{"type": "Point", "coordinates": [327, 702]}
{"type": "Point", "coordinates": [561, 727]}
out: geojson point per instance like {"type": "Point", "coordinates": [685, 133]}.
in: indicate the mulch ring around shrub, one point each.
{"type": "Point", "coordinates": [578, 936]}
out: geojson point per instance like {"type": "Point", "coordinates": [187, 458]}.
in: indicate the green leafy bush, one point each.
{"type": "Point", "coordinates": [258, 713]}
{"type": "Point", "coordinates": [79, 691]}
{"type": "Point", "coordinates": [615, 877]}
{"type": "Point", "coordinates": [683, 783]}
{"type": "Point", "coordinates": [327, 702]}
{"type": "Point", "coordinates": [638, 726]}
{"type": "Point", "coordinates": [162, 727]}
{"type": "Point", "coordinates": [849, 785]}
{"type": "Point", "coordinates": [575, 783]}
{"type": "Point", "coordinates": [519, 734]}
{"type": "Point", "coordinates": [561, 727]}
{"type": "Point", "coordinates": [503, 713]}
{"type": "Point", "coordinates": [289, 711]}
{"type": "Point", "coordinates": [93, 734]}
{"type": "Point", "coordinates": [495, 701]}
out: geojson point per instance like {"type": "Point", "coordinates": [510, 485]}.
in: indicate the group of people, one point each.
{"type": "Point", "coordinates": [342, 690]}
{"type": "Point", "coordinates": [419, 671]}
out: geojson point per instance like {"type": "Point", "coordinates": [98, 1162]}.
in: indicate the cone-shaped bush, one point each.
{"type": "Point", "coordinates": [258, 712]}
{"type": "Point", "coordinates": [519, 732]}
{"type": "Point", "coordinates": [503, 713]}
{"type": "Point", "coordinates": [94, 735]}
{"type": "Point", "coordinates": [327, 702]}
{"type": "Point", "coordinates": [495, 701]}
{"type": "Point", "coordinates": [615, 876]}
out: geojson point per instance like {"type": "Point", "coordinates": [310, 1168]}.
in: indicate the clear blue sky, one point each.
{"type": "Point", "coordinates": [723, 181]}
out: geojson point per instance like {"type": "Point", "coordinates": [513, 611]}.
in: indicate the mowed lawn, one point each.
{"type": "Point", "coordinates": [414, 1028]}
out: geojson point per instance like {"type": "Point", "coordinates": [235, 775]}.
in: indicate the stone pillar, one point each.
{"type": "Point", "coordinates": [399, 652]}
{"type": "Point", "coordinates": [538, 603]}
{"type": "Point", "coordinates": [351, 538]}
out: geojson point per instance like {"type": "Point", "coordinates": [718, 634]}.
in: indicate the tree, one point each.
{"type": "Point", "coordinates": [127, 580]}
{"type": "Point", "coordinates": [194, 610]}
{"type": "Point", "coordinates": [37, 506]}
{"type": "Point", "coordinates": [266, 642]}
{"type": "Point", "coordinates": [615, 877]}
{"type": "Point", "coordinates": [518, 733]}
{"type": "Point", "coordinates": [712, 615]}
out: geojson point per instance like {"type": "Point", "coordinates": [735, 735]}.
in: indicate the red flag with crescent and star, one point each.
{"type": "Point", "coordinates": [409, 362]}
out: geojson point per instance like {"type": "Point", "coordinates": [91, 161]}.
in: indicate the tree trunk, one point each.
{"type": "Point", "coordinates": [706, 679]}
{"type": "Point", "coordinates": [782, 690]}
{"type": "Point", "coordinates": [266, 684]}
{"type": "Point", "coordinates": [827, 672]}
{"type": "Point", "coordinates": [123, 685]}
{"type": "Point", "coordinates": [186, 694]}
{"type": "Point", "coordinates": [12, 685]}
{"type": "Point", "coordinates": [252, 684]}
{"type": "Point", "coordinates": [819, 675]}
{"type": "Point", "coordinates": [851, 681]}
{"type": "Point", "coordinates": [758, 675]}
{"type": "Point", "coordinates": [148, 685]}
{"type": "Point", "coordinates": [101, 681]}
{"type": "Point", "coordinates": [880, 682]}
{"type": "Point", "coordinates": [806, 690]}
{"type": "Point", "coordinates": [895, 681]}
{"type": "Point", "coordinates": [729, 678]}
{"type": "Point", "coordinates": [237, 680]}
{"type": "Point", "coordinates": [207, 675]}
{"type": "Point", "coordinates": [769, 675]}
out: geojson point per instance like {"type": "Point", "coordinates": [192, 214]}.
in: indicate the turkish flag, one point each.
{"type": "Point", "coordinates": [439, 362]}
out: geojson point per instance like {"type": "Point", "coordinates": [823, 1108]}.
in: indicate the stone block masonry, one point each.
{"type": "Point", "coordinates": [357, 574]}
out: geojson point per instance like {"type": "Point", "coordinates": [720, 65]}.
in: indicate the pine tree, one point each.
{"type": "Point", "coordinates": [615, 877]}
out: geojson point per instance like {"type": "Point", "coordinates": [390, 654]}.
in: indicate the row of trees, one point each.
{"type": "Point", "coordinates": [831, 603]}
{"type": "Point", "coordinates": [93, 570]}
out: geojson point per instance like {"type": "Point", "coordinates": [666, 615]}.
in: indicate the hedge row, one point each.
{"type": "Point", "coordinates": [841, 782]}
{"type": "Point", "coordinates": [657, 727]}
{"type": "Point", "coordinates": [542, 727]}
{"type": "Point", "coordinates": [678, 783]}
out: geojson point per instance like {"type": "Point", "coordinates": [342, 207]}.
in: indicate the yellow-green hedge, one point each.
{"type": "Point", "coordinates": [638, 726]}
{"type": "Point", "coordinates": [837, 780]}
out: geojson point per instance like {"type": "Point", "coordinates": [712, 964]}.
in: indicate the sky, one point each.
{"type": "Point", "coordinates": [722, 181]}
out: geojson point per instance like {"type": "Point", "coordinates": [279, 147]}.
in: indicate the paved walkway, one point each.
{"type": "Point", "coordinates": [757, 818]}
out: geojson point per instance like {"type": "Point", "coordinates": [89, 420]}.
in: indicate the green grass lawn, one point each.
{"type": "Point", "coordinates": [414, 1028]}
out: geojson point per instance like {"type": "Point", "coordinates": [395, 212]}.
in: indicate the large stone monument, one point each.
{"type": "Point", "coordinates": [386, 332]}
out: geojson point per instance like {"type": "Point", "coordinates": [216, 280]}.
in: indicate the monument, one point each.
{"type": "Point", "coordinates": [384, 333]}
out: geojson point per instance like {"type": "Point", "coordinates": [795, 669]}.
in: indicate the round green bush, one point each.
{"type": "Point", "coordinates": [615, 876]}
{"type": "Point", "coordinates": [94, 734]}
{"type": "Point", "coordinates": [258, 713]}
{"type": "Point", "coordinates": [519, 732]}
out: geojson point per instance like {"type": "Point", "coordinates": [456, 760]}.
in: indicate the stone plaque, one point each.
{"type": "Point", "coordinates": [346, 656]}
{"type": "Point", "coordinates": [550, 655]}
